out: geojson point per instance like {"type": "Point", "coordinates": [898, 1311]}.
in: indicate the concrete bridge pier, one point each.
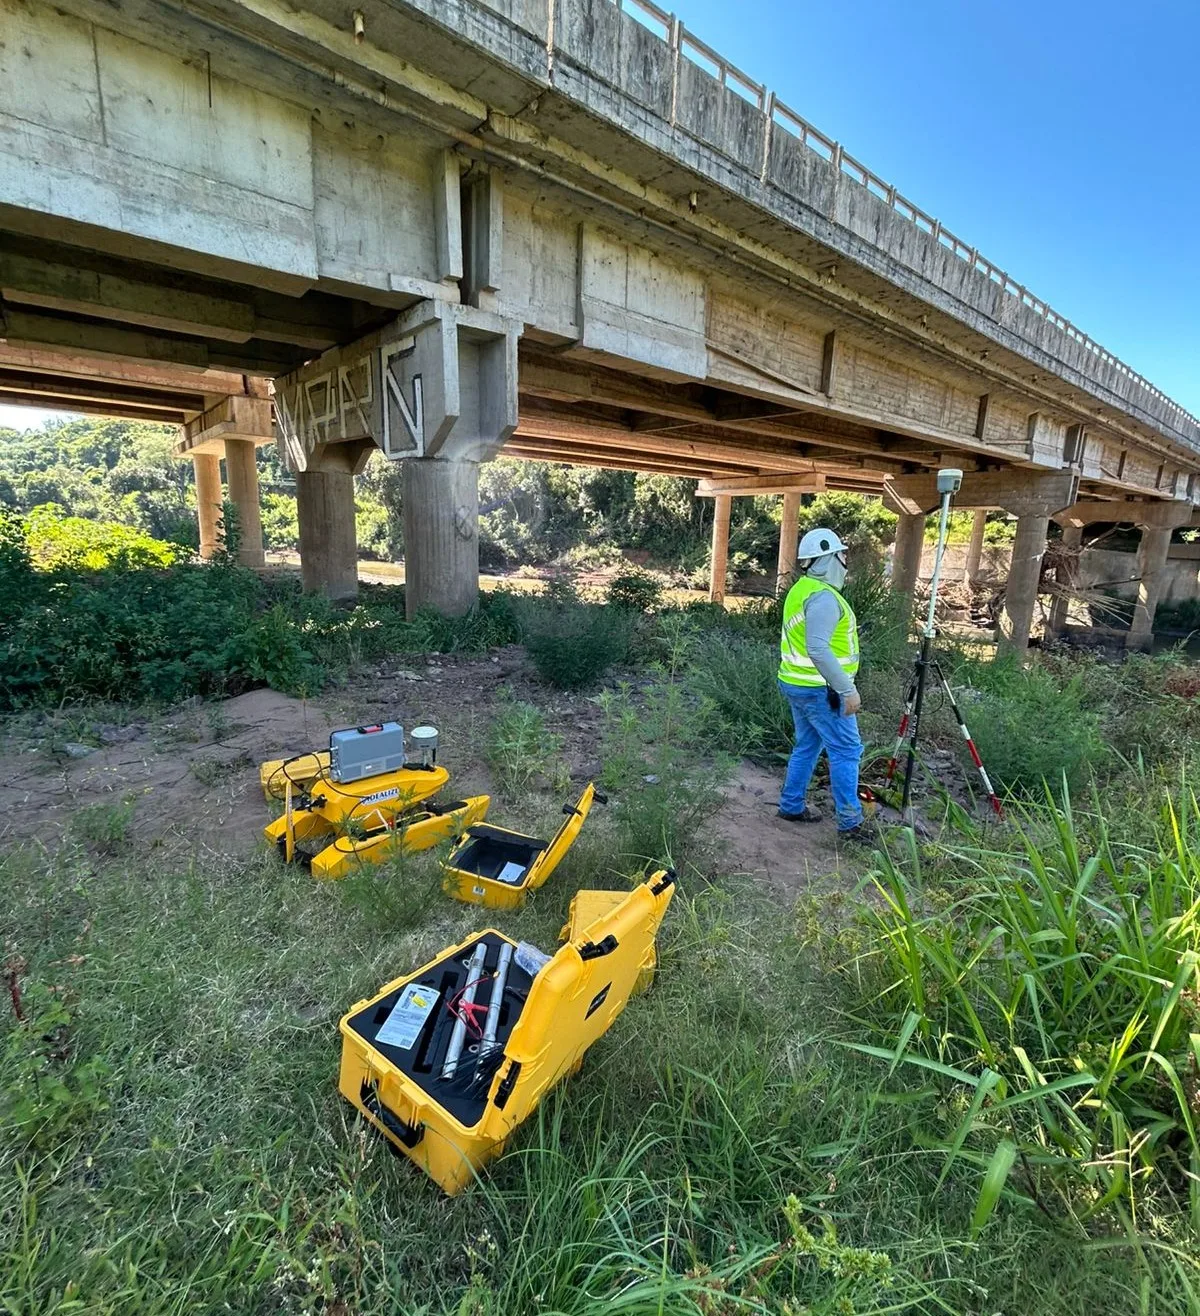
{"type": "Point", "coordinates": [975, 547]}
{"type": "Point", "coordinates": [1072, 543]}
{"type": "Point", "coordinates": [241, 475]}
{"type": "Point", "coordinates": [1020, 595]}
{"type": "Point", "coordinates": [906, 552]}
{"type": "Point", "coordinates": [234, 428]}
{"type": "Point", "coordinates": [436, 390]}
{"type": "Point", "coordinates": [1031, 497]}
{"type": "Point", "coordinates": [1157, 522]}
{"type": "Point", "coordinates": [441, 535]}
{"type": "Point", "coordinates": [207, 468]}
{"type": "Point", "coordinates": [325, 511]}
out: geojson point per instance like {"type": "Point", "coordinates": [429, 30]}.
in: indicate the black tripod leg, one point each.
{"type": "Point", "coordinates": [924, 658]}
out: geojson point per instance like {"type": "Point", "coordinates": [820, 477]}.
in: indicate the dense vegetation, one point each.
{"type": "Point", "coordinates": [532, 513]}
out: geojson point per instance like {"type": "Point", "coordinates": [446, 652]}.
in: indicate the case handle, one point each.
{"type": "Point", "coordinates": [408, 1134]}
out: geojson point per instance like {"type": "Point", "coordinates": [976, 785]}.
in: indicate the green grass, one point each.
{"type": "Point", "coordinates": [191, 1153]}
{"type": "Point", "coordinates": [172, 1141]}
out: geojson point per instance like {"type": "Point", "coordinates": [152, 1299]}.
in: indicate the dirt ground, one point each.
{"type": "Point", "coordinates": [187, 781]}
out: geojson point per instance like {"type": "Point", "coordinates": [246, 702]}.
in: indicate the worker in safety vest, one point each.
{"type": "Point", "coordinates": [818, 663]}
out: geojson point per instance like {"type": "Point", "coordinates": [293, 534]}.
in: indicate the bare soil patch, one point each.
{"type": "Point", "coordinates": [188, 778]}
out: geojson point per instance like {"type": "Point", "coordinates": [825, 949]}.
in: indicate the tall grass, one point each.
{"type": "Point", "coordinates": [1056, 999]}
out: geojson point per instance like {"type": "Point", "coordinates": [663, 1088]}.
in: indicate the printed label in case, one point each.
{"type": "Point", "coordinates": [403, 1026]}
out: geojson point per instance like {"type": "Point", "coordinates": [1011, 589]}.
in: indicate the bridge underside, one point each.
{"type": "Point", "coordinates": [523, 226]}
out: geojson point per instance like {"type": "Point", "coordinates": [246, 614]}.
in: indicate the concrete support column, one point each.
{"type": "Point", "coordinates": [1151, 562]}
{"type": "Point", "coordinates": [1020, 596]}
{"type": "Point", "coordinates": [975, 547]}
{"type": "Point", "coordinates": [1072, 542]}
{"type": "Point", "coordinates": [789, 535]}
{"type": "Point", "coordinates": [208, 501]}
{"type": "Point", "coordinates": [328, 543]}
{"type": "Point", "coordinates": [441, 535]}
{"type": "Point", "coordinates": [906, 555]}
{"type": "Point", "coordinates": [722, 504]}
{"type": "Point", "coordinates": [241, 471]}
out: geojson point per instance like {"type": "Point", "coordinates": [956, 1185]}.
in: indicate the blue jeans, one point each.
{"type": "Point", "coordinates": [819, 728]}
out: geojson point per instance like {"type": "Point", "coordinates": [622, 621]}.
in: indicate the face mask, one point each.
{"type": "Point", "coordinates": [829, 569]}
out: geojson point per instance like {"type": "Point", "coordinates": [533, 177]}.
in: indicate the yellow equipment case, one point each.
{"type": "Point", "coordinates": [398, 1046]}
{"type": "Point", "coordinates": [498, 868]}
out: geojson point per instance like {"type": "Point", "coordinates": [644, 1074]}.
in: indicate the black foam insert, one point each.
{"type": "Point", "coordinates": [422, 1062]}
{"type": "Point", "coordinates": [488, 849]}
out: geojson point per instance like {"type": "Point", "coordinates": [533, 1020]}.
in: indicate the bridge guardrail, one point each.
{"type": "Point", "coordinates": [670, 29]}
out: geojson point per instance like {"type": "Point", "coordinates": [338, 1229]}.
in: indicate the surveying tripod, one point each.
{"type": "Point", "coordinates": [949, 481]}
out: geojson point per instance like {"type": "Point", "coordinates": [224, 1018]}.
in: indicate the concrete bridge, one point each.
{"type": "Point", "coordinates": [563, 228]}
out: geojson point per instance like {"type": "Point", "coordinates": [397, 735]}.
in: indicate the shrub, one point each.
{"type": "Point", "coordinates": [654, 760]}
{"type": "Point", "coordinates": [1028, 727]}
{"type": "Point", "coordinates": [573, 644]}
{"type": "Point", "coordinates": [636, 590]}
{"type": "Point", "coordinates": [738, 676]}
{"type": "Point", "coordinates": [519, 748]}
{"type": "Point", "coordinates": [74, 543]}
{"type": "Point", "coordinates": [270, 652]}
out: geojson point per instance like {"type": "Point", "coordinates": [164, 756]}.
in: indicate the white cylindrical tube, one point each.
{"type": "Point", "coordinates": [492, 1023]}
{"type": "Point", "coordinates": [459, 1035]}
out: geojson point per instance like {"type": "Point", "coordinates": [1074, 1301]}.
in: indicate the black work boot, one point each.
{"type": "Point", "coordinates": [806, 815]}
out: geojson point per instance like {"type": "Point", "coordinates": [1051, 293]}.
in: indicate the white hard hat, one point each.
{"type": "Point", "coordinates": [818, 543]}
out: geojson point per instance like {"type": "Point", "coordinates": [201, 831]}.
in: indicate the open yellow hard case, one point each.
{"type": "Point", "coordinates": [451, 1126]}
{"type": "Point", "coordinates": [498, 868]}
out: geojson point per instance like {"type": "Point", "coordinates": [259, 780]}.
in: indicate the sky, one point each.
{"type": "Point", "coordinates": [1059, 137]}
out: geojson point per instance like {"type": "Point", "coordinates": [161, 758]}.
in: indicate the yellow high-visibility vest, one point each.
{"type": "Point", "coordinates": [795, 666]}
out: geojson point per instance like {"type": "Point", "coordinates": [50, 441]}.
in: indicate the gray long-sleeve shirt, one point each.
{"type": "Point", "coordinates": [822, 612]}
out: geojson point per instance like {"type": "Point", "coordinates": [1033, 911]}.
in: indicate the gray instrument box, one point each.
{"type": "Point", "coordinates": [360, 752]}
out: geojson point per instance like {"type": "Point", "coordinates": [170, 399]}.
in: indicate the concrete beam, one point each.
{"type": "Point", "coordinates": [441, 380]}
{"type": "Point", "coordinates": [51, 285]}
{"type": "Point", "coordinates": [1016, 492]}
{"type": "Point", "coordinates": [235, 418]}
{"type": "Point", "coordinates": [1172, 515]}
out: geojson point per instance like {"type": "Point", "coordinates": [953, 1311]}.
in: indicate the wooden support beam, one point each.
{"type": "Point", "coordinates": [1018, 492]}
{"type": "Point", "coordinates": [748, 486]}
